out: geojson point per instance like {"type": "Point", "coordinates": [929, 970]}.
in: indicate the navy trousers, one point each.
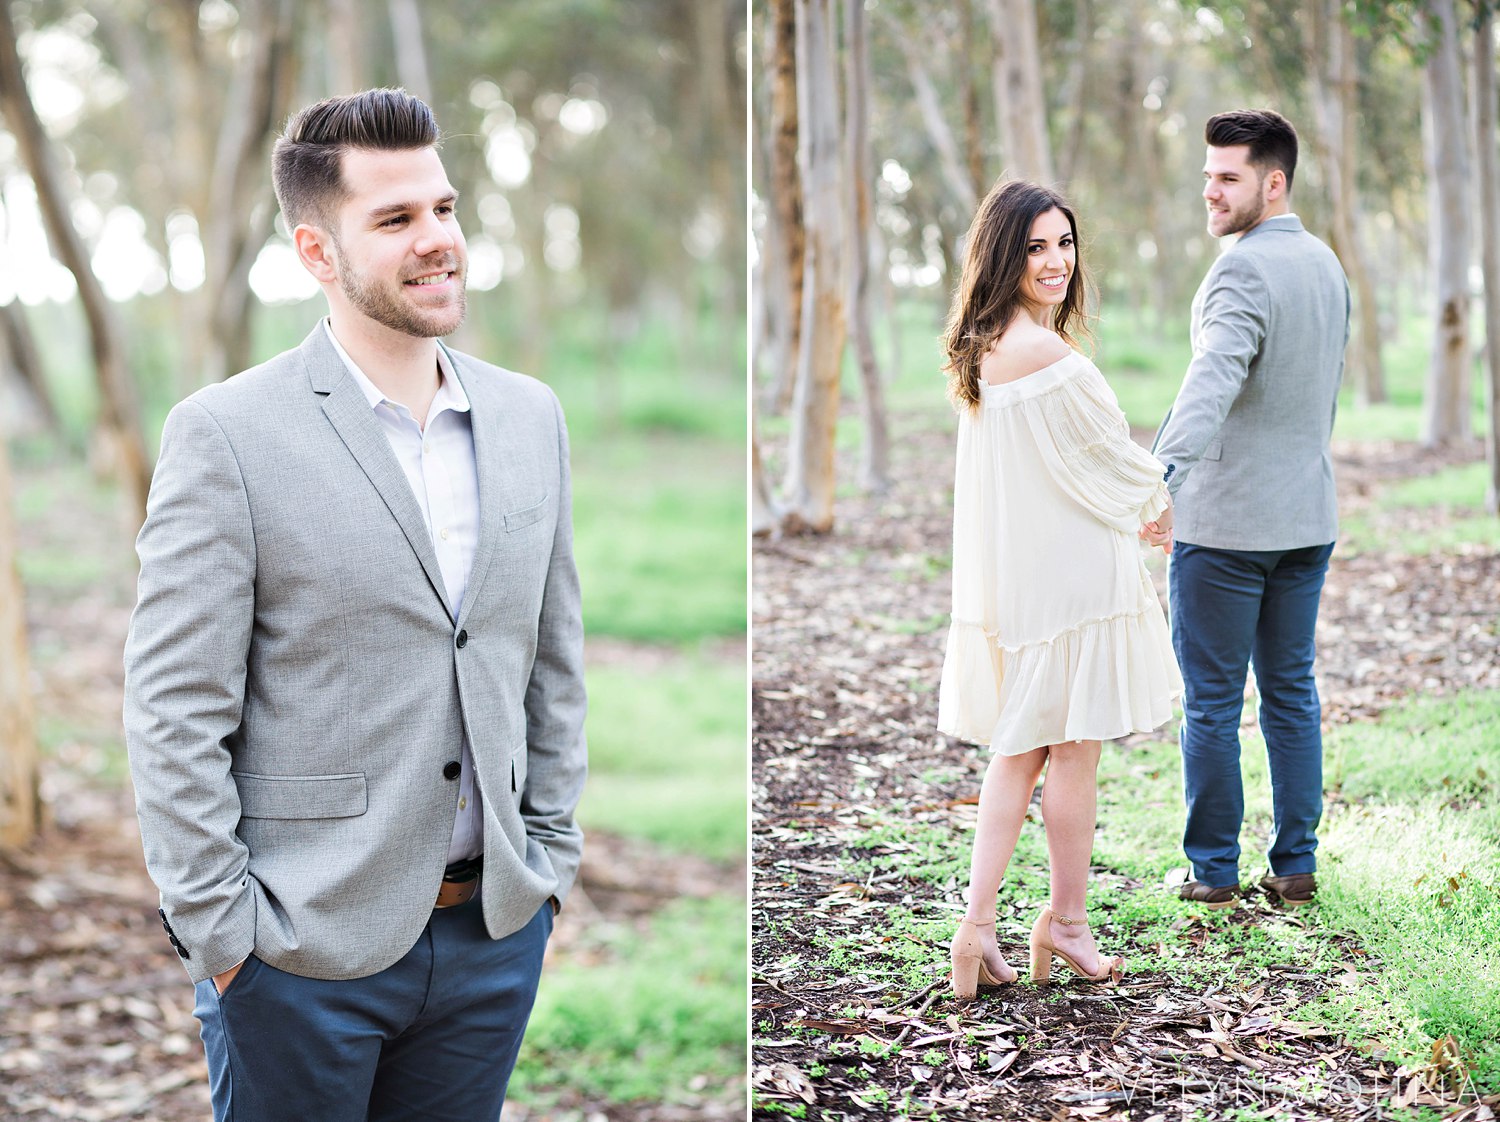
{"type": "Point", "coordinates": [1232, 608]}
{"type": "Point", "coordinates": [433, 1036]}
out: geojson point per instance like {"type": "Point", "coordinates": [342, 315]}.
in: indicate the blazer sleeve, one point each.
{"type": "Point", "coordinates": [185, 661]}
{"type": "Point", "coordinates": [1232, 321]}
{"type": "Point", "coordinates": [555, 701]}
{"type": "Point", "coordinates": [1084, 441]}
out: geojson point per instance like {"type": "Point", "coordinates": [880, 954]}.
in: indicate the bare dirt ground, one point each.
{"type": "Point", "coordinates": [95, 1011]}
{"type": "Point", "coordinates": [848, 639]}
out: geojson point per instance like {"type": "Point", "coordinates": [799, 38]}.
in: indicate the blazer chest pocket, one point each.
{"type": "Point", "coordinates": [520, 519]}
{"type": "Point", "coordinates": [1214, 451]}
{"type": "Point", "coordinates": [301, 796]}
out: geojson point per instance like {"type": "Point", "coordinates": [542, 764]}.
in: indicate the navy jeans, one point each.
{"type": "Point", "coordinates": [433, 1036]}
{"type": "Point", "coordinates": [1231, 608]}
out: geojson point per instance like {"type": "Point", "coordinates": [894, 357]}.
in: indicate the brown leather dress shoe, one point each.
{"type": "Point", "coordinates": [1293, 891]}
{"type": "Point", "coordinates": [1207, 895]}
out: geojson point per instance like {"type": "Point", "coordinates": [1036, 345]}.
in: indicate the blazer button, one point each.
{"type": "Point", "coordinates": [451, 769]}
{"type": "Point", "coordinates": [463, 639]}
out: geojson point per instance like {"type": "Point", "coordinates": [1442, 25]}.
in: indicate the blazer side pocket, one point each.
{"type": "Point", "coordinates": [301, 796]}
{"type": "Point", "coordinates": [520, 519]}
{"type": "Point", "coordinates": [1214, 451]}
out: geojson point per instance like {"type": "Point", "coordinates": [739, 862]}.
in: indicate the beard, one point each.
{"type": "Point", "coordinates": [1239, 219]}
{"type": "Point", "coordinates": [387, 306]}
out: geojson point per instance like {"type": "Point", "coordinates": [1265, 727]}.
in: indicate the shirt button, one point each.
{"type": "Point", "coordinates": [462, 640]}
{"type": "Point", "coordinates": [443, 533]}
{"type": "Point", "coordinates": [451, 769]}
{"type": "Point", "coordinates": [463, 804]}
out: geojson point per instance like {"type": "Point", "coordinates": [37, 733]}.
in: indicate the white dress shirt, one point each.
{"type": "Point", "coordinates": [439, 465]}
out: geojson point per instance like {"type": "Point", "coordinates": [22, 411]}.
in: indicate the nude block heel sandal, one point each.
{"type": "Point", "coordinates": [1043, 951]}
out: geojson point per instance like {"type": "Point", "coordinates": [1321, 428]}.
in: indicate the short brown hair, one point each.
{"type": "Point", "coordinates": [1269, 135]}
{"type": "Point", "coordinates": [989, 289]}
{"type": "Point", "coordinates": [307, 160]}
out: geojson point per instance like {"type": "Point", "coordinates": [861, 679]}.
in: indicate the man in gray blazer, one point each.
{"type": "Point", "coordinates": [1246, 446]}
{"type": "Point", "coordinates": [354, 691]}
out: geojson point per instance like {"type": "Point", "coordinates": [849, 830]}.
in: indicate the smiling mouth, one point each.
{"type": "Point", "coordinates": [435, 278]}
{"type": "Point", "coordinates": [1052, 282]}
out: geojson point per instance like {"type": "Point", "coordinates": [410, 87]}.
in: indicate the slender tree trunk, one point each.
{"type": "Point", "coordinates": [344, 33]}
{"type": "Point", "coordinates": [809, 486]}
{"type": "Point", "coordinates": [1020, 107]}
{"type": "Point", "coordinates": [950, 163]}
{"type": "Point", "coordinates": [19, 346]}
{"type": "Point", "coordinates": [120, 412]}
{"type": "Point", "coordinates": [1331, 75]}
{"type": "Point", "coordinates": [973, 116]}
{"type": "Point", "coordinates": [763, 516]}
{"type": "Point", "coordinates": [1076, 92]}
{"type": "Point", "coordinates": [1446, 401]}
{"type": "Point", "coordinates": [1488, 145]}
{"type": "Point", "coordinates": [786, 189]}
{"type": "Point", "coordinates": [874, 468]}
{"type": "Point", "coordinates": [20, 804]}
{"type": "Point", "coordinates": [411, 55]}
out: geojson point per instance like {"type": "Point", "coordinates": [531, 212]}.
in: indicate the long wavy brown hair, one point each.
{"type": "Point", "coordinates": [989, 290]}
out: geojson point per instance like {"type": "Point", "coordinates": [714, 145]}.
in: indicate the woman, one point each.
{"type": "Point", "coordinates": [1057, 641]}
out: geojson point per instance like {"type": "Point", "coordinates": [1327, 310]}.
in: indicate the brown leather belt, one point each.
{"type": "Point", "coordinates": [460, 882]}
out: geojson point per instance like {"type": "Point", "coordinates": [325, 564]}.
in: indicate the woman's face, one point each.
{"type": "Point", "coordinates": [1050, 259]}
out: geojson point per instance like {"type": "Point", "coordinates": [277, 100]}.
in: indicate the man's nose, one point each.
{"type": "Point", "coordinates": [434, 236]}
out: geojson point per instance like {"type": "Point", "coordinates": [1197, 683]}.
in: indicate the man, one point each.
{"type": "Point", "coordinates": [1248, 465]}
{"type": "Point", "coordinates": [354, 698]}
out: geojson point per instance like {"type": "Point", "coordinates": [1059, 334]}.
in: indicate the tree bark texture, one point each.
{"type": "Point", "coordinates": [18, 348]}
{"type": "Point", "coordinates": [1445, 403]}
{"type": "Point", "coordinates": [874, 465]}
{"type": "Point", "coordinates": [119, 407]}
{"type": "Point", "coordinates": [1334, 90]}
{"type": "Point", "coordinates": [1488, 147]}
{"type": "Point", "coordinates": [809, 486]}
{"type": "Point", "coordinates": [786, 191]}
{"type": "Point", "coordinates": [1020, 107]}
{"type": "Point", "coordinates": [763, 520]}
{"type": "Point", "coordinates": [20, 805]}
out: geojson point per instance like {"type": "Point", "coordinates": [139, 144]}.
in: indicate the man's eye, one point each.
{"type": "Point", "coordinates": [396, 221]}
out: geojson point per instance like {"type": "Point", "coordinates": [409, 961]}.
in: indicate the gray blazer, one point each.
{"type": "Point", "coordinates": [296, 684]}
{"type": "Point", "coordinates": [1246, 442]}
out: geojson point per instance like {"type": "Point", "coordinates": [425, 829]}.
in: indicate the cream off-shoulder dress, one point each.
{"type": "Point", "coordinates": [1057, 634]}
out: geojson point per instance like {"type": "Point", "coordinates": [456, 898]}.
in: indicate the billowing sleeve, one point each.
{"type": "Point", "coordinates": [969, 691]}
{"type": "Point", "coordinates": [1085, 443]}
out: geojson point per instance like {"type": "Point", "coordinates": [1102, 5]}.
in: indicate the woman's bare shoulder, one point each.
{"type": "Point", "coordinates": [1023, 350]}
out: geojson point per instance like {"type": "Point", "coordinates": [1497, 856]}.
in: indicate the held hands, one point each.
{"type": "Point", "coordinates": [1159, 532]}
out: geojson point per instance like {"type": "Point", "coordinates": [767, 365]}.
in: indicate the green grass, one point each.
{"type": "Point", "coordinates": [667, 755]}
{"type": "Point", "coordinates": [659, 538]}
{"type": "Point", "coordinates": [1453, 504]}
{"type": "Point", "coordinates": [661, 1013]}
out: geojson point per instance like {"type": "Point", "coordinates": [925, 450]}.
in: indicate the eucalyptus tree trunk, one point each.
{"type": "Point", "coordinates": [120, 419]}
{"type": "Point", "coordinates": [18, 347]}
{"type": "Point", "coordinates": [955, 172]}
{"type": "Point", "coordinates": [874, 466]}
{"type": "Point", "coordinates": [1488, 145]}
{"type": "Point", "coordinates": [346, 52]}
{"type": "Point", "coordinates": [241, 209]}
{"type": "Point", "coordinates": [809, 486]}
{"type": "Point", "coordinates": [1020, 107]}
{"type": "Point", "coordinates": [786, 192]}
{"type": "Point", "coordinates": [411, 55]}
{"type": "Point", "coordinates": [973, 116]}
{"type": "Point", "coordinates": [1445, 404]}
{"type": "Point", "coordinates": [1334, 94]}
{"type": "Point", "coordinates": [20, 805]}
{"type": "Point", "coordinates": [763, 518]}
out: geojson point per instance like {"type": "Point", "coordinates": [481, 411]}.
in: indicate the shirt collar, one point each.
{"type": "Point", "coordinates": [450, 393]}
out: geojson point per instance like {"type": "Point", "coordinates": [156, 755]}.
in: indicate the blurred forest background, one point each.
{"type": "Point", "coordinates": [598, 147]}
{"type": "Point", "coordinates": [879, 124]}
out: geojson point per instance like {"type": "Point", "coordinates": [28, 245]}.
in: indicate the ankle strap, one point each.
{"type": "Point", "coordinates": [979, 923]}
{"type": "Point", "coordinates": [1070, 922]}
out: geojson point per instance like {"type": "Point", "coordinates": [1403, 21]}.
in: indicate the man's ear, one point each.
{"type": "Point", "coordinates": [1275, 184]}
{"type": "Point", "coordinates": [314, 246]}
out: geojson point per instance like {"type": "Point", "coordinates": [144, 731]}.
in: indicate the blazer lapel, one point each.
{"type": "Point", "coordinates": [354, 421]}
{"type": "Point", "coordinates": [494, 440]}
